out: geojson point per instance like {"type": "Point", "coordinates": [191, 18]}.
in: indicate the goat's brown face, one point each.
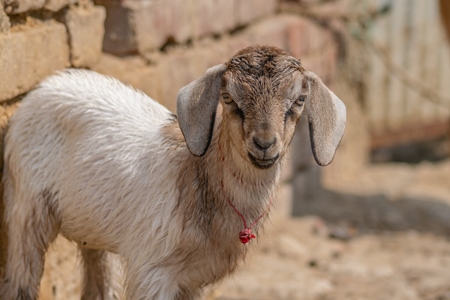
{"type": "Point", "coordinates": [263, 90]}
{"type": "Point", "coordinates": [262, 98]}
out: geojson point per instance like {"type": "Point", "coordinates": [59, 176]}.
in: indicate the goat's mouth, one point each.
{"type": "Point", "coordinates": [263, 163]}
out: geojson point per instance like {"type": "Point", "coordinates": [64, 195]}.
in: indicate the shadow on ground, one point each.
{"type": "Point", "coordinates": [376, 213]}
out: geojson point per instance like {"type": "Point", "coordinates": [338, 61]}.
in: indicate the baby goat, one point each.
{"type": "Point", "coordinates": [175, 197]}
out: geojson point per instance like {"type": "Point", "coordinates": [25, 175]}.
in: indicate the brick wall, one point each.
{"type": "Point", "coordinates": [157, 46]}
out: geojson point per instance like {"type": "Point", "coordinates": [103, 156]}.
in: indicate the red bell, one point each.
{"type": "Point", "coordinates": [246, 235]}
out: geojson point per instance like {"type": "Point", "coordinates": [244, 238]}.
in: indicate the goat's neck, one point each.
{"type": "Point", "coordinates": [250, 189]}
{"type": "Point", "coordinates": [207, 183]}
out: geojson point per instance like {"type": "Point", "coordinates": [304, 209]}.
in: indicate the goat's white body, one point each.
{"type": "Point", "coordinates": [94, 151]}
{"type": "Point", "coordinates": [110, 169]}
{"type": "Point", "coordinates": [102, 153]}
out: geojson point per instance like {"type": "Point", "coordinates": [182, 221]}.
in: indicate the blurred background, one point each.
{"type": "Point", "coordinates": [375, 224]}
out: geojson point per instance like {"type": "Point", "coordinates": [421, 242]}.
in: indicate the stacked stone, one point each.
{"type": "Point", "coordinates": [68, 34]}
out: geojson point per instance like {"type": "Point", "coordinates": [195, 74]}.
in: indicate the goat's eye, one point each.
{"type": "Point", "coordinates": [300, 101]}
{"type": "Point", "coordinates": [234, 107]}
{"type": "Point", "coordinates": [296, 107]}
{"type": "Point", "coordinates": [227, 98]}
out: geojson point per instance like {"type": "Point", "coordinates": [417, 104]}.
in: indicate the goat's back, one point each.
{"type": "Point", "coordinates": [94, 147]}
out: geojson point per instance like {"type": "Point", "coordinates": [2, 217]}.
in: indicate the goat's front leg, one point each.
{"type": "Point", "coordinates": [32, 226]}
{"type": "Point", "coordinates": [95, 274]}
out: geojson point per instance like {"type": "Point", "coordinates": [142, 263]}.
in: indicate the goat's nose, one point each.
{"type": "Point", "coordinates": [264, 144]}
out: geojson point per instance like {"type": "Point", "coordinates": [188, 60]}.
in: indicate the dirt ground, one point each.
{"type": "Point", "coordinates": [300, 261]}
{"type": "Point", "coordinates": [307, 258]}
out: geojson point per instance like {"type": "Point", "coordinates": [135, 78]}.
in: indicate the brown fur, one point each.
{"type": "Point", "coordinates": [95, 277]}
{"type": "Point", "coordinates": [260, 80]}
{"type": "Point", "coordinates": [209, 247]}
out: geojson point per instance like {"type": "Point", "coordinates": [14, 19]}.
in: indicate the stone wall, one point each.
{"type": "Point", "coordinates": [157, 46]}
{"type": "Point", "coordinates": [33, 45]}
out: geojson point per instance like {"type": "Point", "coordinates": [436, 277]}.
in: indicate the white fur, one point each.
{"type": "Point", "coordinates": [109, 168]}
{"type": "Point", "coordinates": [97, 148]}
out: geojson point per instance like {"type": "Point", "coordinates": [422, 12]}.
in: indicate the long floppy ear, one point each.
{"type": "Point", "coordinates": [196, 108]}
{"type": "Point", "coordinates": [326, 117]}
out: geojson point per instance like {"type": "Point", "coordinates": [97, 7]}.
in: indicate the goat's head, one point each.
{"type": "Point", "coordinates": [264, 91]}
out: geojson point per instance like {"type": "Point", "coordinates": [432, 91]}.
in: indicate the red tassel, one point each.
{"type": "Point", "coordinates": [246, 235]}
